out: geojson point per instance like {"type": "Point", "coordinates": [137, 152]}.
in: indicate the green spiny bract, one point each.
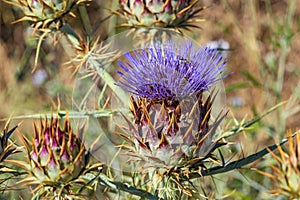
{"type": "Point", "coordinates": [168, 140]}
{"type": "Point", "coordinates": [44, 13]}
{"type": "Point", "coordinates": [6, 148]}
{"type": "Point", "coordinates": [160, 13]}
{"type": "Point", "coordinates": [57, 160]}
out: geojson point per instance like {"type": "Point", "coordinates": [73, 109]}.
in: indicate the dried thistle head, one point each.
{"type": "Point", "coordinates": [57, 160]}
{"type": "Point", "coordinates": [90, 53]}
{"type": "Point", "coordinates": [171, 132]}
{"type": "Point", "coordinates": [44, 13]}
{"type": "Point", "coordinates": [286, 172]}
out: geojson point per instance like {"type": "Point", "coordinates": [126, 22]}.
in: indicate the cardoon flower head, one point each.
{"type": "Point", "coordinates": [170, 132]}
{"type": "Point", "coordinates": [56, 160]}
{"type": "Point", "coordinates": [171, 118]}
{"type": "Point", "coordinates": [167, 72]}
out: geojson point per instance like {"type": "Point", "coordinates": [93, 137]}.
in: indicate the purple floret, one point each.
{"type": "Point", "coordinates": [170, 72]}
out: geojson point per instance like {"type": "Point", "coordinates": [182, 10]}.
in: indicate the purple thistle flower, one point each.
{"type": "Point", "coordinates": [170, 71]}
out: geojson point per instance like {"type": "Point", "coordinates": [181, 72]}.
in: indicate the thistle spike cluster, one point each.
{"type": "Point", "coordinates": [44, 13]}
{"type": "Point", "coordinates": [160, 13]}
{"type": "Point", "coordinates": [286, 171]}
{"type": "Point", "coordinates": [6, 148]}
{"type": "Point", "coordinates": [163, 138]}
{"type": "Point", "coordinates": [171, 120]}
{"type": "Point", "coordinates": [56, 158]}
{"type": "Point", "coordinates": [58, 150]}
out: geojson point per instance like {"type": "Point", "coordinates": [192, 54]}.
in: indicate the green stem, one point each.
{"type": "Point", "coordinates": [38, 48]}
{"type": "Point", "coordinates": [85, 19]}
{"type": "Point", "coordinates": [113, 22]}
{"type": "Point", "coordinates": [284, 44]}
{"type": "Point", "coordinates": [109, 80]}
{"type": "Point", "coordinates": [232, 131]}
{"type": "Point", "coordinates": [127, 188]}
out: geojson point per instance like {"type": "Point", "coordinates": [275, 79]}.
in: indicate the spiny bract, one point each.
{"type": "Point", "coordinates": [160, 13]}
{"type": "Point", "coordinates": [56, 159]}
{"type": "Point", "coordinates": [6, 148]}
{"type": "Point", "coordinates": [45, 12]}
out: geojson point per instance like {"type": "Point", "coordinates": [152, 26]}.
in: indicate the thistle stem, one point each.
{"type": "Point", "coordinates": [85, 19]}
{"type": "Point", "coordinates": [100, 68]}
{"type": "Point", "coordinates": [127, 188]}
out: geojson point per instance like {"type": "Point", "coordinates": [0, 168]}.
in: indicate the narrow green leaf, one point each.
{"type": "Point", "coordinates": [125, 187]}
{"type": "Point", "coordinates": [71, 114]}
{"type": "Point", "coordinates": [235, 130]}
{"type": "Point", "coordinates": [236, 86]}
{"type": "Point", "coordinates": [238, 163]}
{"type": "Point", "coordinates": [251, 78]}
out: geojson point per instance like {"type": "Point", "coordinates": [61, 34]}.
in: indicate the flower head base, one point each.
{"type": "Point", "coordinates": [167, 72]}
{"type": "Point", "coordinates": [159, 13]}
{"type": "Point", "coordinates": [167, 142]}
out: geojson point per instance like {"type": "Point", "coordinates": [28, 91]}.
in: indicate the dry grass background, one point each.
{"type": "Point", "coordinates": [248, 26]}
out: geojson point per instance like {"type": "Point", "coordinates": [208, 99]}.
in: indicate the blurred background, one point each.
{"type": "Point", "coordinates": [260, 39]}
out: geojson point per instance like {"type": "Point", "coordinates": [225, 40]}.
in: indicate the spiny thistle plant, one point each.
{"type": "Point", "coordinates": [47, 17]}
{"type": "Point", "coordinates": [56, 162]}
{"type": "Point", "coordinates": [286, 172]}
{"type": "Point", "coordinates": [160, 13]}
{"type": "Point", "coordinates": [43, 13]}
{"type": "Point", "coordinates": [171, 131]}
{"type": "Point", "coordinates": [90, 53]}
{"type": "Point", "coordinates": [6, 148]}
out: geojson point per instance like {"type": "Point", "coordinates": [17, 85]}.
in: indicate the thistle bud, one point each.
{"type": "Point", "coordinates": [44, 13]}
{"type": "Point", "coordinates": [57, 159]}
{"type": "Point", "coordinates": [159, 13]}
